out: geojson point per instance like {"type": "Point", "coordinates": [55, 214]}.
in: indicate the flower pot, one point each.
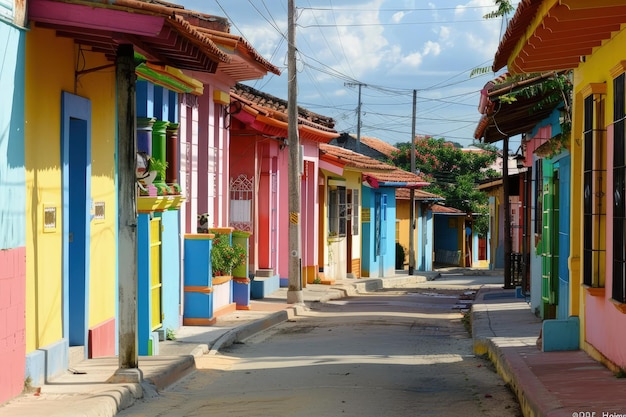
{"type": "Point", "coordinates": [241, 293]}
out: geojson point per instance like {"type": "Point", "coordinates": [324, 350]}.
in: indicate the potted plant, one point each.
{"type": "Point", "coordinates": [225, 257]}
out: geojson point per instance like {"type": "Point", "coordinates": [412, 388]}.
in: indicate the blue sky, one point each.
{"type": "Point", "coordinates": [390, 47]}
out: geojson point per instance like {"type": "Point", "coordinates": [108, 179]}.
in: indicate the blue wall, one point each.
{"type": "Point", "coordinates": [12, 172]}
{"type": "Point", "coordinates": [379, 262]}
{"type": "Point", "coordinates": [170, 269]}
{"type": "Point", "coordinates": [564, 165]}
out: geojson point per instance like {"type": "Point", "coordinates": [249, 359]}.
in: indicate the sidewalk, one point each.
{"type": "Point", "coordinates": [554, 384]}
{"type": "Point", "coordinates": [550, 384]}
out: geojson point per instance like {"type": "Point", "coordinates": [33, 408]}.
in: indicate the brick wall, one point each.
{"type": "Point", "coordinates": [12, 322]}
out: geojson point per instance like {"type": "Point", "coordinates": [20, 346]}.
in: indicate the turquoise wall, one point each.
{"type": "Point", "coordinates": [376, 265]}
{"type": "Point", "coordinates": [12, 172]}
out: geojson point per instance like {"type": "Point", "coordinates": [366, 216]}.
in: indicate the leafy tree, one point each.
{"type": "Point", "coordinates": [453, 173]}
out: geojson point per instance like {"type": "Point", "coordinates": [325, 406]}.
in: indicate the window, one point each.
{"type": "Point", "coordinates": [593, 192]}
{"type": "Point", "coordinates": [354, 207]}
{"type": "Point", "coordinates": [337, 209]}
{"type": "Point", "coordinates": [619, 191]}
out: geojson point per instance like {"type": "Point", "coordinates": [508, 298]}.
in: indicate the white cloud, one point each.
{"type": "Point", "coordinates": [432, 48]}
{"type": "Point", "coordinates": [397, 17]}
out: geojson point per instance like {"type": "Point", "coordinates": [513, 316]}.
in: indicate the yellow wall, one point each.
{"type": "Point", "coordinates": [50, 63]}
{"type": "Point", "coordinates": [596, 69]}
{"type": "Point", "coordinates": [403, 221]}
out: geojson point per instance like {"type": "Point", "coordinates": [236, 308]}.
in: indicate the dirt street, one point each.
{"type": "Point", "coordinates": [402, 352]}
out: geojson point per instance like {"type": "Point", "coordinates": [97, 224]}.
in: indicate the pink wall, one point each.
{"type": "Point", "coordinates": [12, 322]}
{"type": "Point", "coordinates": [604, 323]}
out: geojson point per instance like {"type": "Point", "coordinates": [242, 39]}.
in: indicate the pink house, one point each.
{"type": "Point", "coordinates": [258, 174]}
{"type": "Point", "coordinates": [204, 123]}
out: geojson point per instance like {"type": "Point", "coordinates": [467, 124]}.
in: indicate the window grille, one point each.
{"type": "Point", "coordinates": [241, 202]}
{"type": "Point", "coordinates": [619, 191]}
{"type": "Point", "coordinates": [593, 195]}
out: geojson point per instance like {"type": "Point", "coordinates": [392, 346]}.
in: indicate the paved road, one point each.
{"type": "Point", "coordinates": [395, 353]}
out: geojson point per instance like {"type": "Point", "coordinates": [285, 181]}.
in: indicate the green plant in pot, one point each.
{"type": "Point", "coordinates": [159, 166]}
{"type": "Point", "coordinates": [224, 256]}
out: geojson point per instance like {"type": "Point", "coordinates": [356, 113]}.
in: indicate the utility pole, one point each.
{"type": "Point", "coordinates": [508, 281]}
{"type": "Point", "coordinates": [412, 192]}
{"type": "Point", "coordinates": [358, 117]}
{"type": "Point", "coordinates": [294, 290]}
{"type": "Point", "coordinates": [128, 370]}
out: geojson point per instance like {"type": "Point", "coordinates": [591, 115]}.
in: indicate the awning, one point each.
{"type": "Point", "coordinates": [154, 30]}
{"type": "Point", "coordinates": [556, 35]}
{"type": "Point", "coordinates": [500, 119]}
{"type": "Point", "coordinates": [168, 77]}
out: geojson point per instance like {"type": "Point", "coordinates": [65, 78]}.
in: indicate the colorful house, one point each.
{"type": "Point", "coordinates": [585, 37]}
{"type": "Point", "coordinates": [450, 242]}
{"type": "Point", "coordinates": [359, 213]}
{"type": "Point", "coordinates": [72, 179]}
{"type": "Point", "coordinates": [259, 192]}
{"type": "Point", "coordinates": [423, 201]}
{"type": "Point", "coordinates": [424, 226]}
{"type": "Point", "coordinates": [12, 205]}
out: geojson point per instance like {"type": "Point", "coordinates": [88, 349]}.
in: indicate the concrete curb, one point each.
{"type": "Point", "coordinates": [106, 403]}
{"type": "Point", "coordinates": [530, 392]}
{"type": "Point", "coordinates": [171, 374]}
{"type": "Point", "coordinates": [242, 332]}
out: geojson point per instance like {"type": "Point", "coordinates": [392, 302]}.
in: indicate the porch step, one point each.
{"type": "Point", "coordinates": [76, 355]}
{"type": "Point", "coordinates": [264, 273]}
{"type": "Point", "coordinates": [261, 287]}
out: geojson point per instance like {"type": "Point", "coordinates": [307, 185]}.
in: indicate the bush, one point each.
{"type": "Point", "coordinates": [225, 257]}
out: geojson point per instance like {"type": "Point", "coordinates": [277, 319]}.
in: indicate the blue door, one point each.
{"type": "Point", "coordinates": [76, 198]}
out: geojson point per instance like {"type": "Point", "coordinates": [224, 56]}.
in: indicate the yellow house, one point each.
{"type": "Point", "coordinates": [585, 36]}
{"type": "Point", "coordinates": [71, 145]}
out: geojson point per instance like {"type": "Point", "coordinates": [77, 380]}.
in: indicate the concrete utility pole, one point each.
{"type": "Point", "coordinates": [357, 148]}
{"type": "Point", "coordinates": [412, 192]}
{"type": "Point", "coordinates": [294, 290]}
{"type": "Point", "coordinates": [128, 370]}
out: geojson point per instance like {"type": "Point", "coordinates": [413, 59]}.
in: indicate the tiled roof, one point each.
{"type": "Point", "coordinates": [246, 62]}
{"type": "Point", "coordinates": [438, 208]}
{"type": "Point", "coordinates": [374, 171]}
{"type": "Point", "coordinates": [405, 194]}
{"type": "Point", "coordinates": [279, 105]}
{"type": "Point", "coordinates": [521, 116]}
{"type": "Point", "coordinates": [380, 145]}
{"type": "Point", "coordinates": [355, 160]}
{"type": "Point", "coordinates": [557, 35]}
{"type": "Point", "coordinates": [268, 114]}
{"type": "Point", "coordinates": [165, 33]}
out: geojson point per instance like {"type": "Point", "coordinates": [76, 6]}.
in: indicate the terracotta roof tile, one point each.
{"type": "Point", "coordinates": [438, 208]}
{"type": "Point", "coordinates": [405, 194]}
{"type": "Point", "coordinates": [355, 160]}
{"type": "Point", "coordinates": [379, 145]}
{"type": "Point", "coordinates": [272, 103]}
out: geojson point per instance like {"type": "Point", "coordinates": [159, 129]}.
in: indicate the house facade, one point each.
{"type": "Point", "coordinates": [259, 193]}
{"type": "Point", "coordinates": [74, 119]}
{"type": "Point", "coordinates": [423, 230]}
{"type": "Point", "coordinates": [360, 190]}
{"type": "Point", "coordinates": [592, 51]}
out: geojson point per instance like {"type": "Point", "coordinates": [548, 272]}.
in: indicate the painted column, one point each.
{"type": "Point", "coordinates": [144, 134]}
{"type": "Point", "coordinates": [171, 153]}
